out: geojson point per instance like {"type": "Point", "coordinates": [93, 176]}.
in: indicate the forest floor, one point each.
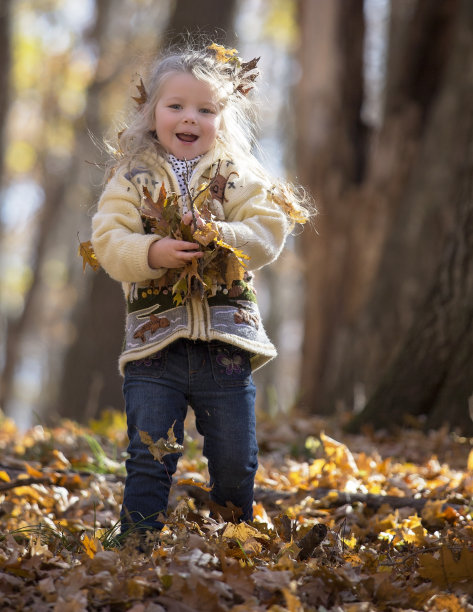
{"type": "Point", "coordinates": [379, 521]}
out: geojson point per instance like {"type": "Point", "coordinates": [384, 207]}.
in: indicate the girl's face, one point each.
{"type": "Point", "coordinates": [187, 116]}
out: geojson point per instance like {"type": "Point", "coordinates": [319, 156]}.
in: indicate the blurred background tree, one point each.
{"type": "Point", "coordinates": [388, 320]}
{"type": "Point", "coordinates": [379, 129]}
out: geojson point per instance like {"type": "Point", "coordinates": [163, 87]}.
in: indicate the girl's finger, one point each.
{"type": "Point", "coordinates": [182, 245]}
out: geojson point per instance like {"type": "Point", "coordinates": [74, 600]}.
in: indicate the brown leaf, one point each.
{"type": "Point", "coordinates": [155, 210]}
{"type": "Point", "coordinates": [143, 97]}
{"type": "Point", "coordinates": [444, 569]}
{"type": "Point", "coordinates": [163, 446]}
{"type": "Point", "coordinates": [229, 512]}
{"type": "Point", "coordinates": [194, 483]}
{"type": "Point", "coordinates": [311, 540]}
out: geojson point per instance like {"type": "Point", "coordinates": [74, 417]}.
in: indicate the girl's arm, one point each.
{"type": "Point", "coordinates": [120, 242]}
{"type": "Point", "coordinates": [254, 222]}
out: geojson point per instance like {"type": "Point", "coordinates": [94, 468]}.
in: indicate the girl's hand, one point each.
{"type": "Point", "coordinates": [171, 253]}
{"type": "Point", "coordinates": [187, 219]}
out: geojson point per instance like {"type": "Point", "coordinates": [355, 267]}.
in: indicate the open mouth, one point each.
{"type": "Point", "coordinates": [187, 137]}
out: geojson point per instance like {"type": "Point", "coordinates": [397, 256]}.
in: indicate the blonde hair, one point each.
{"type": "Point", "coordinates": [231, 80]}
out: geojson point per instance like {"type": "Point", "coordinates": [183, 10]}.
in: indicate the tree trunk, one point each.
{"type": "Point", "coordinates": [208, 18]}
{"type": "Point", "coordinates": [330, 155]}
{"type": "Point", "coordinates": [5, 64]}
{"type": "Point", "coordinates": [376, 254]}
{"type": "Point", "coordinates": [56, 192]}
{"type": "Point", "coordinates": [432, 371]}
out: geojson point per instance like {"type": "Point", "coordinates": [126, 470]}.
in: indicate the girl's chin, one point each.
{"type": "Point", "coordinates": [186, 152]}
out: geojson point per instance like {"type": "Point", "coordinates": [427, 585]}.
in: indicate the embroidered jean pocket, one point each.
{"type": "Point", "coordinates": [230, 365]}
{"type": "Point", "coordinates": [152, 366]}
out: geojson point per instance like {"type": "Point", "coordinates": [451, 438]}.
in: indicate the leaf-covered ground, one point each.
{"type": "Point", "coordinates": [358, 523]}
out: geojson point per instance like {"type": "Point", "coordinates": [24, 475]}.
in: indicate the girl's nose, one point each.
{"type": "Point", "coordinates": [189, 117]}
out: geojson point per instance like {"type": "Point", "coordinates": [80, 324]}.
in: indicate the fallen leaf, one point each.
{"type": "Point", "coordinates": [311, 540]}
{"type": "Point", "coordinates": [90, 546]}
{"type": "Point", "coordinates": [444, 569]}
{"type": "Point", "coordinates": [194, 483]}
{"type": "Point", "coordinates": [163, 446]}
{"type": "Point", "coordinates": [86, 251]}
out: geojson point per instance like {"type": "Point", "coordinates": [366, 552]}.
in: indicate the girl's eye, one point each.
{"type": "Point", "coordinates": [175, 106]}
{"type": "Point", "coordinates": [207, 111]}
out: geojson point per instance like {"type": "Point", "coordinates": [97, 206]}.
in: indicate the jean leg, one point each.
{"type": "Point", "coordinates": [153, 405]}
{"type": "Point", "coordinates": [224, 405]}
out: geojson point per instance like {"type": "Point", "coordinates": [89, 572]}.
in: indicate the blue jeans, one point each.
{"type": "Point", "coordinates": [215, 379]}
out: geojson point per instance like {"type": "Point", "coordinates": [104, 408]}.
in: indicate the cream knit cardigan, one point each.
{"type": "Point", "coordinates": [253, 223]}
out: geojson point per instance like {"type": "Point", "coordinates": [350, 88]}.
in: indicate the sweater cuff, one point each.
{"type": "Point", "coordinates": [226, 233]}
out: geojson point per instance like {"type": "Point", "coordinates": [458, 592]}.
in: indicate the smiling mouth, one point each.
{"type": "Point", "coordinates": [187, 137]}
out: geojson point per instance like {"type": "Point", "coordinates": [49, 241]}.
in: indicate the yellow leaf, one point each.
{"type": "Point", "coordinates": [234, 271]}
{"type": "Point", "coordinates": [4, 476]}
{"type": "Point", "coordinates": [90, 546]}
{"type": "Point", "coordinates": [87, 253]}
{"type": "Point", "coordinates": [222, 54]}
{"type": "Point", "coordinates": [202, 195]}
{"type": "Point", "coordinates": [297, 214]}
{"type": "Point", "coordinates": [206, 234]}
{"type": "Point", "coordinates": [340, 454]}
{"type": "Point", "coordinates": [242, 532]}
{"type": "Point", "coordinates": [446, 603]}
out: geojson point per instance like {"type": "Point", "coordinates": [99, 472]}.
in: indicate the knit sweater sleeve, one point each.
{"type": "Point", "coordinates": [253, 222]}
{"type": "Point", "coordinates": [118, 236]}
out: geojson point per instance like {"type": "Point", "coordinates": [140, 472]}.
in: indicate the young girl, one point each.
{"type": "Point", "coordinates": [186, 217]}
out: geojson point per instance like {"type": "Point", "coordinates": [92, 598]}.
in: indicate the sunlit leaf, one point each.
{"type": "Point", "coordinates": [86, 251]}
{"type": "Point", "coordinates": [90, 546]}
{"type": "Point", "coordinates": [162, 446]}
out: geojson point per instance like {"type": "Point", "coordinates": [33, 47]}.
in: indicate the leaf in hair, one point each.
{"type": "Point", "coordinates": [143, 97]}
{"type": "Point", "coordinates": [224, 55]}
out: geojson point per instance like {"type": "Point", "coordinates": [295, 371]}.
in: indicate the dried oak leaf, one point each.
{"type": "Point", "coordinates": [154, 211]}
{"type": "Point", "coordinates": [310, 541]}
{"type": "Point", "coordinates": [163, 446]}
{"type": "Point", "coordinates": [143, 97]}
{"type": "Point", "coordinates": [229, 512]}
{"type": "Point", "coordinates": [86, 251]}
{"type": "Point", "coordinates": [206, 234]}
{"type": "Point", "coordinates": [445, 569]}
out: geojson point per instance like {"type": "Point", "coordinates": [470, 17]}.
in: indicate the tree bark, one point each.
{"type": "Point", "coordinates": [377, 252]}
{"type": "Point", "coordinates": [208, 18]}
{"type": "Point", "coordinates": [56, 191]}
{"type": "Point", "coordinates": [330, 157]}
{"type": "Point", "coordinates": [430, 372]}
{"type": "Point", "coordinates": [5, 65]}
